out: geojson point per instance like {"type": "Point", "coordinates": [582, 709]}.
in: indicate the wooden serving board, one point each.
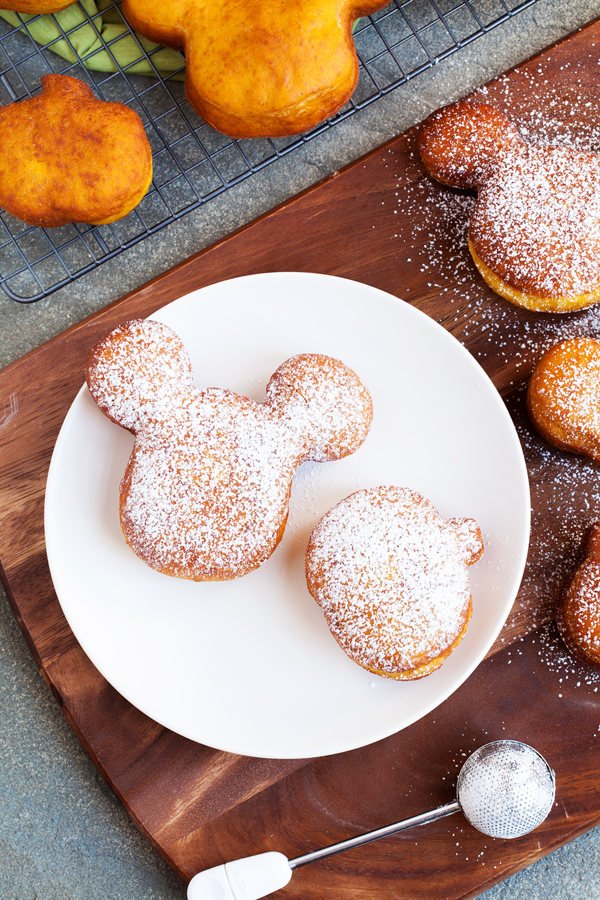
{"type": "Point", "coordinates": [381, 221]}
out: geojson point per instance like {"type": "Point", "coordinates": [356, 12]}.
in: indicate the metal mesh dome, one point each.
{"type": "Point", "coordinates": [506, 789]}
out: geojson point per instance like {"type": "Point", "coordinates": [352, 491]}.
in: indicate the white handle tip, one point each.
{"type": "Point", "coordinates": [243, 879]}
{"type": "Point", "coordinates": [212, 884]}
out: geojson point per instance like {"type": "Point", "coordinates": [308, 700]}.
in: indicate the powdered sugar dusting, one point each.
{"type": "Point", "coordinates": [206, 490]}
{"type": "Point", "coordinates": [437, 225]}
{"type": "Point", "coordinates": [562, 109]}
{"type": "Point", "coordinates": [428, 224]}
{"type": "Point", "coordinates": [536, 223]}
{"type": "Point", "coordinates": [507, 339]}
{"type": "Point", "coordinates": [579, 613]}
{"type": "Point", "coordinates": [565, 499]}
{"type": "Point", "coordinates": [129, 379]}
{"type": "Point", "coordinates": [560, 662]}
{"type": "Point", "coordinates": [563, 395]}
{"type": "Point", "coordinates": [390, 575]}
{"type": "Point", "coordinates": [584, 611]}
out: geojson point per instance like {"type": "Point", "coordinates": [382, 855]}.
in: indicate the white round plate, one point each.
{"type": "Point", "coordinates": [249, 666]}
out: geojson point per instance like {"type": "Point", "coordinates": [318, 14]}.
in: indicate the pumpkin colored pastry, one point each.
{"type": "Point", "coordinates": [578, 614]}
{"type": "Point", "coordinates": [563, 397]}
{"type": "Point", "coordinates": [256, 69]}
{"type": "Point", "coordinates": [205, 494]}
{"type": "Point", "coordinates": [390, 574]}
{"type": "Point", "coordinates": [35, 7]}
{"type": "Point", "coordinates": [534, 233]}
{"type": "Point", "coordinates": [67, 157]}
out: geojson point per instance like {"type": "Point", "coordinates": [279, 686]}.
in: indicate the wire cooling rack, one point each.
{"type": "Point", "coordinates": [192, 162]}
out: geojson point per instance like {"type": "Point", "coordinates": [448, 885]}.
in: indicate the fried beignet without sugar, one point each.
{"type": "Point", "coordinates": [205, 494]}
{"type": "Point", "coordinates": [534, 233]}
{"type": "Point", "coordinates": [578, 613]}
{"type": "Point", "coordinates": [256, 69]}
{"type": "Point", "coordinates": [390, 574]}
{"type": "Point", "coordinates": [35, 7]}
{"type": "Point", "coordinates": [563, 397]}
{"type": "Point", "coordinates": [67, 157]}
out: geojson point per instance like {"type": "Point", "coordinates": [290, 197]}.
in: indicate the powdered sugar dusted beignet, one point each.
{"type": "Point", "coordinates": [535, 231]}
{"type": "Point", "coordinates": [578, 615]}
{"type": "Point", "coordinates": [390, 574]}
{"type": "Point", "coordinates": [563, 396]}
{"type": "Point", "coordinates": [206, 490]}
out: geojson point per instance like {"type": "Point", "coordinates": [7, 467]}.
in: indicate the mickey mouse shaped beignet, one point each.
{"type": "Point", "coordinates": [534, 234]}
{"type": "Point", "coordinates": [255, 68]}
{"type": "Point", "coordinates": [206, 490]}
{"type": "Point", "coordinates": [390, 574]}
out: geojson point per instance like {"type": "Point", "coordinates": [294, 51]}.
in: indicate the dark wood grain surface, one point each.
{"type": "Point", "coordinates": [382, 222]}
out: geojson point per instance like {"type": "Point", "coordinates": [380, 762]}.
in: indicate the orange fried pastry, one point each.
{"type": "Point", "coordinates": [563, 398]}
{"type": "Point", "coordinates": [578, 614]}
{"type": "Point", "coordinates": [534, 234]}
{"type": "Point", "coordinates": [206, 490]}
{"type": "Point", "coordinates": [67, 157]}
{"type": "Point", "coordinates": [34, 7]}
{"type": "Point", "coordinates": [391, 577]}
{"type": "Point", "coordinates": [256, 69]}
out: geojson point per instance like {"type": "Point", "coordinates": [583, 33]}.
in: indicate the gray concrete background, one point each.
{"type": "Point", "coordinates": [63, 835]}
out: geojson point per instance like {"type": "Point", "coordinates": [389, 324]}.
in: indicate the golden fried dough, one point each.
{"type": "Point", "coordinates": [534, 234]}
{"type": "Point", "coordinates": [206, 491]}
{"type": "Point", "coordinates": [35, 7]}
{"type": "Point", "coordinates": [256, 69]}
{"type": "Point", "coordinates": [563, 396]}
{"type": "Point", "coordinates": [67, 157]}
{"type": "Point", "coordinates": [390, 574]}
{"type": "Point", "coordinates": [578, 614]}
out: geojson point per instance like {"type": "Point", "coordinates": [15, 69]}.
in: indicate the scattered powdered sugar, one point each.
{"type": "Point", "coordinates": [565, 501]}
{"type": "Point", "coordinates": [391, 577]}
{"type": "Point", "coordinates": [579, 614]}
{"type": "Point", "coordinates": [562, 112]}
{"type": "Point", "coordinates": [436, 242]}
{"type": "Point", "coordinates": [432, 240]}
{"type": "Point", "coordinates": [436, 239]}
{"type": "Point", "coordinates": [584, 611]}
{"type": "Point", "coordinates": [560, 662]}
{"type": "Point", "coordinates": [206, 490]}
{"type": "Point", "coordinates": [536, 223]}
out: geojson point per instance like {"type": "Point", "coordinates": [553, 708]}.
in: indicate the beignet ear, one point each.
{"type": "Point", "coordinates": [460, 143]}
{"type": "Point", "coordinates": [326, 400]}
{"type": "Point", "coordinates": [137, 372]}
{"type": "Point", "coordinates": [469, 538]}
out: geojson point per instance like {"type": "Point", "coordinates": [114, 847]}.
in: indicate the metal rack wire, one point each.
{"type": "Point", "coordinates": [192, 162]}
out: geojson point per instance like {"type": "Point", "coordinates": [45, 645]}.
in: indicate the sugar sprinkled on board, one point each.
{"type": "Point", "coordinates": [537, 220]}
{"type": "Point", "coordinates": [438, 243]}
{"type": "Point", "coordinates": [553, 653]}
{"type": "Point", "coordinates": [565, 488]}
{"type": "Point", "coordinates": [439, 222]}
{"type": "Point", "coordinates": [565, 494]}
